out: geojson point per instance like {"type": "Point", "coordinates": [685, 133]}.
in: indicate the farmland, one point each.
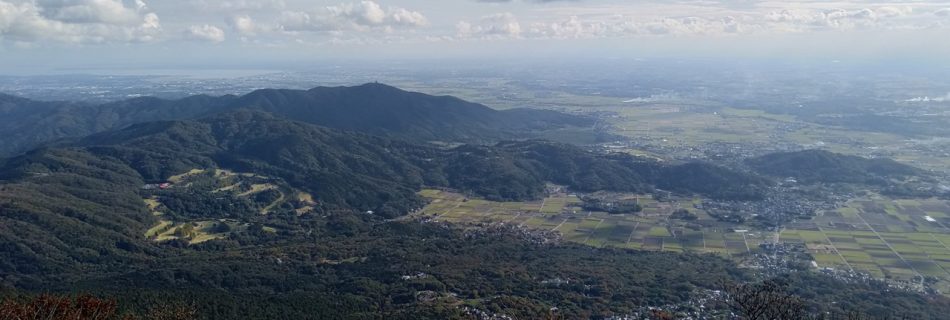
{"type": "Point", "coordinates": [651, 229]}
{"type": "Point", "coordinates": [899, 240]}
{"type": "Point", "coordinates": [892, 239]}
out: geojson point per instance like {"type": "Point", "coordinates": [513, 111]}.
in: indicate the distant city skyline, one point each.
{"type": "Point", "coordinates": [49, 36]}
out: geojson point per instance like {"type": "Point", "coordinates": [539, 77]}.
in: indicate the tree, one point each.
{"type": "Point", "coordinates": [59, 307]}
{"type": "Point", "coordinates": [764, 301]}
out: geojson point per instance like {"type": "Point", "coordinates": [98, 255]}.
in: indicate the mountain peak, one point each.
{"type": "Point", "coordinates": [377, 85]}
{"type": "Point", "coordinates": [372, 108]}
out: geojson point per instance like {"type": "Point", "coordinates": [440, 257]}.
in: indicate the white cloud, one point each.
{"type": "Point", "coordinates": [692, 19]}
{"type": "Point", "coordinates": [400, 16]}
{"type": "Point", "coordinates": [238, 5]}
{"type": "Point", "coordinates": [572, 28]}
{"type": "Point", "coordinates": [803, 19]}
{"type": "Point", "coordinates": [360, 16]}
{"type": "Point", "coordinates": [150, 27]}
{"type": "Point", "coordinates": [244, 25]}
{"type": "Point", "coordinates": [205, 32]}
{"type": "Point", "coordinates": [77, 21]}
{"type": "Point", "coordinates": [945, 98]}
{"type": "Point", "coordinates": [276, 22]}
{"type": "Point", "coordinates": [92, 11]}
{"type": "Point", "coordinates": [500, 25]}
{"type": "Point", "coordinates": [363, 13]}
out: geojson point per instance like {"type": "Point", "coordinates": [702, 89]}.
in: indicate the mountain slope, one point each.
{"type": "Point", "coordinates": [334, 163]}
{"type": "Point", "coordinates": [372, 108]}
{"type": "Point", "coordinates": [584, 171]}
{"type": "Point", "coordinates": [384, 110]}
{"type": "Point", "coordinates": [69, 210]}
{"type": "Point", "coordinates": [346, 170]}
{"type": "Point", "coordinates": [95, 187]}
{"type": "Point", "coordinates": [75, 219]}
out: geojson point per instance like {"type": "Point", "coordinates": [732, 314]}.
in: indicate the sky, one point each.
{"type": "Point", "coordinates": [37, 36]}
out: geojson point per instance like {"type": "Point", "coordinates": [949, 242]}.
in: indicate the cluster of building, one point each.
{"type": "Point", "coordinates": [781, 205]}
{"type": "Point", "coordinates": [720, 152]}
{"type": "Point", "coordinates": [484, 315]}
{"type": "Point", "coordinates": [159, 186]}
{"type": "Point", "coordinates": [417, 275]}
{"type": "Point", "coordinates": [523, 233]}
{"type": "Point", "coordinates": [855, 276]}
{"type": "Point", "coordinates": [703, 305]}
{"type": "Point", "coordinates": [774, 259]}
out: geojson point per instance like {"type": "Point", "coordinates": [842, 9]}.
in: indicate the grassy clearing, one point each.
{"type": "Point", "coordinates": [194, 232]}
{"type": "Point", "coordinates": [256, 188]}
{"type": "Point", "coordinates": [228, 188]}
{"type": "Point", "coordinates": [152, 203]}
{"type": "Point", "coordinates": [181, 177]}
{"type": "Point", "coordinates": [157, 229]}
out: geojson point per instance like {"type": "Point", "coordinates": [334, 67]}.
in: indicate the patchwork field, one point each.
{"type": "Point", "coordinates": [892, 239]}
{"type": "Point", "coordinates": [672, 127]}
{"type": "Point", "coordinates": [652, 229]}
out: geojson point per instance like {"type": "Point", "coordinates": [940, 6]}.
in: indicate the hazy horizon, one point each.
{"type": "Point", "coordinates": [61, 37]}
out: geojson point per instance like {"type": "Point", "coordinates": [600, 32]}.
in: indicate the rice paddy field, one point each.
{"type": "Point", "coordinates": [651, 229]}
{"type": "Point", "coordinates": [889, 239]}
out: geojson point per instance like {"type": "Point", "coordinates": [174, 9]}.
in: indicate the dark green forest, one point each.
{"type": "Point", "coordinates": [811, 166]}
{"type": "Point", "coordinates": [372, 108]}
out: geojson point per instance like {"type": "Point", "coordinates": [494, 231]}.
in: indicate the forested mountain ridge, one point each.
{"type": "Point", "coordinates": [68, 210]}
{"type": "Point", "coordinates": [373, 108]}
{"type": "Point", "coordinates": [810, 166]}
{"type": "Point", "coordinates": [27, 123]}
{"type": "Point", "coordinates": [387, 111]}
{"type": "Point", "coordinates": [587, 172]}
{"type": "Point", "coordinates": [340, 162]}
{"type": "Point", "coordinates": [96, 182]}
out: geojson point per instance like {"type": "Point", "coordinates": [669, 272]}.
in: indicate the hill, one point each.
{"type": "Point", "coordinates": [387, 111]}
{"type": "Point", "coordinates": [95, 187]}
{"type": "Point", "coordinates": [811, 166]}
{"type": "Point", "coordinates": [87, 217]}
{"type": "Point", "coordinates": [372, 108]}
{"type": "Point", "coordinates": [588, 172]}
{"type": "Point", "coordinates": [333, 163]}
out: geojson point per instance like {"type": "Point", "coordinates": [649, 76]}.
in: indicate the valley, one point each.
{"type": "Point", "coordinates": [243, 200]}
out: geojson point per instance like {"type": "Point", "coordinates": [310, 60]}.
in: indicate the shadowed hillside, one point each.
{"type": "Point", "coordinates": [824, 166]}
{"type": "Point", "coordinates": [372, 108]}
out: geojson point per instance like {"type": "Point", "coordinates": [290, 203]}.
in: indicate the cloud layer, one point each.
{"type": "Point", "coordinates": [621, 22]}
{"type": "Point", "coordinates": [205, 33]}
{"type": "Point", "coordinates": [77, 21]}
{"type": "Point", "coordinates": [27, 23]}
{"type": "Point", "coordinates": [359, 16]}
